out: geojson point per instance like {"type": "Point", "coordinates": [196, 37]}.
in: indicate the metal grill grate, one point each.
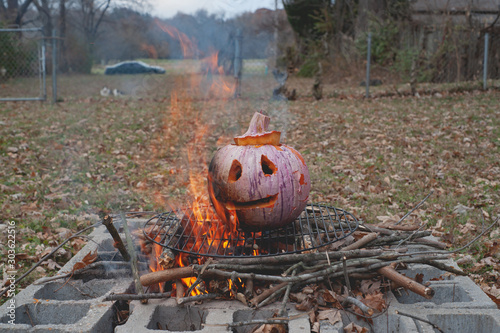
{"type": "Point", "coordinates": [317, 226]}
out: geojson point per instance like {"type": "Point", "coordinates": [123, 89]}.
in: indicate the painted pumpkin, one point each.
{"type": "Point", "coordinates": [264, 183]}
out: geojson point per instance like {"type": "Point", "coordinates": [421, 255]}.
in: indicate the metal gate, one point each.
{"type": "Point", "coordinates": [22, 65]}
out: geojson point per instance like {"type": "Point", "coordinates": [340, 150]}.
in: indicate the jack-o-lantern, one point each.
{"type": "Point", "coordinates": [264, 183]}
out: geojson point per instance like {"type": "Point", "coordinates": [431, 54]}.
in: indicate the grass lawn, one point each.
{"type": "Point", "coordinates": [377, 158]}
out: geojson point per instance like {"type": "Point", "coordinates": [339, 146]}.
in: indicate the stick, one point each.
{"type": "Point", "coordinates": [108, 222]}
{"type": "Point", "coordinates": [271, 297]}
{"type": "Point", "coordinates": [28, 313]}
{"type": "Point", "coordinates": [287, 294]}
{"type": "Point", "coordinates": [249, 287]}
{"type": "Point", "coordinates": [401, 242]}
{"type": "Point", "coordinates": [49, 255]}
{"type": "Point", "coordinates": [113, 265]}
{"type": "Point", "coordinates": [179, 290]}
{"type": "Point", "coordinates": [415, 208]}
{"type": "Point", "coordinates": [442, 266]}
{"type": "Point", "coordinates": [136, 297]}
{"type": "Point", "coordinates": [196, 298]}
{"type": "Point", "coordinates": [257, 322]}
{"type": "Point", "coordinates": [306, 257]}
{"type": "Point", "coordinates": [167, 275]}
{"type": "Point", "coordinates": [475, 238]}
{"type": "Point", "coordinates": [354, 301]}
{"type": "Point", "coordinates": [197, 282]}
{"type": "Point", "coordinates": [403, 281]}
{"type": "Point", "coordinates": [383, 231]}
{"type": "Point", "coordinates": [430, 242]}
{"type": "Point", "coordinates": [361, 242]}
{"type": "Point", "coordinates": [240, 297]}
{"type": "Point", "coordinates": [398, 237]}
{"type": "Point", "coordinates": [266, 293]}
{"type": "Point", "coordinates": [133, 258]}
{"type": "Point", "coordinates": [346, 275]}
{"type": "Point", "coordinates": [400, 227]}
{"type": "Point", "coordinates": [419, 319]}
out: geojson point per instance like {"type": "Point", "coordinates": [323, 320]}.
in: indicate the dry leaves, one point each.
{"type": "Point", "coordinates": [353, 328]}
{"type": "Point", "coordinates": [332, 315]}
{"type": "Point", "coordinates": [87, 260]}
{"type": "Point", "coordinates": [271, 328]}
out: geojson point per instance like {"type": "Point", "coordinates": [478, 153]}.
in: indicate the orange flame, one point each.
{"type": "Point", "coordinates": [208, 237]}
{"type": "Point", "coordinates": [153, 260]}
{"type": "Point", "coordinates": [219, 86]}
{"type": "Point", "coordinates": [187, 46]}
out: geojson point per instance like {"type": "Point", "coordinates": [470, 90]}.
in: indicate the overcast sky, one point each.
{"type": "Point", "coordinates": [168, 8]}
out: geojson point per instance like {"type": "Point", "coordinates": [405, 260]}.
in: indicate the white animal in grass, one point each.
{"type": "Point", "coordinates": [117, 92]}
{"type": "Point", "coordinates": [105, 91]}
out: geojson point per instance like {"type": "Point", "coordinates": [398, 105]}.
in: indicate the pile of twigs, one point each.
{"type": "Point", "coordinates": [382, 252]}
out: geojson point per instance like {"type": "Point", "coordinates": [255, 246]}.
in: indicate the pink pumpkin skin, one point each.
{"type": "Point", "coordinates": [266, 186]}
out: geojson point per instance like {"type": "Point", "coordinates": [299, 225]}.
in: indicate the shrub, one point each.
{"type": "Point", "coordinates": [17, 57]}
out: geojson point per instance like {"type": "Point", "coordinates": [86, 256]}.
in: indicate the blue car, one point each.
{"type": "Point", "coordinates": [133, 67]}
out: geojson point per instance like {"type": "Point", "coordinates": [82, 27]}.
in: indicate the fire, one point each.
{"type": "Point", "coordinates": [219, 85]}
{"type": "Point", "coordinates": [210, 234]}
{"type": "Point", "coordinates": [188, 48]}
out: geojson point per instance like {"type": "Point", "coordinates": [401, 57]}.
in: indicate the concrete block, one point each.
{"type": "Point", "coordinates": [458, 305]}
{"type": "Point", "coordinates": [74, 290]}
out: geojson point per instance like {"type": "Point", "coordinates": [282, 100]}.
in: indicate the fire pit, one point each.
{"type": "Point", "coordinates": [102, 296]}
{"type": "Point", "coordinates": [317, 226]}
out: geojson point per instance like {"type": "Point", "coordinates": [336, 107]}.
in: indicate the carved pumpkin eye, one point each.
{"type": "Point", "coordinates": [268, 167]}
{"type": "Point", "coordinates": [235, 171]}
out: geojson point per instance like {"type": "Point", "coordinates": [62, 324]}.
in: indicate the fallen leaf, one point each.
{"type": "Point", "coordinates": [375, 301]}
{"type": "Point", "coordinates": [369, 286]}
{"type": "Point", "coordinates": [88, 259]}
{"type": "Point", "coordinates": [353, 328]}
{"type": "Point", "coordinates": [271, 328]}
{"type": "Point", "coordinates": [51, 264]}
{"type": "Point", "coordinates": [307, 304]}
{"type": "Point", "coordinates": [419, 278]}
{"type": "Point", "coordinates": [332, 315]}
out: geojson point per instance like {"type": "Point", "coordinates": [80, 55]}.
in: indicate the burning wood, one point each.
{"type": "Point", "coordinates": [170, 274]}
{"type": "Point", "coordinates": [268, 278]}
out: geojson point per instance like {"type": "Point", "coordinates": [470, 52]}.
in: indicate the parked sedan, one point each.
{"type": "Point", "coordinates": [133, 67]}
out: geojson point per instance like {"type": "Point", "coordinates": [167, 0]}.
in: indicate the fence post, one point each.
{"type": "Point", "coordinates": [54, 67]}
{"type": "Point", "coordinates": [368, 58]}
{"type": "Point", "coordinates": [238, 62]}
{"type": "Point", "coordinates": [485, 62]}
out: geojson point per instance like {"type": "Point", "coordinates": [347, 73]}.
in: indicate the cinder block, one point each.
{"type": "Point", "coordinates": [74, 290]}
{"type": "Point", "coordinates": [458, 305]}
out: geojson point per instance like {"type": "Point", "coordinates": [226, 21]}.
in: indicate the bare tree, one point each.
{"type": "Point", "coordinates": [92, 13]}
{"type": "Point", "coordinates": [12, 12]}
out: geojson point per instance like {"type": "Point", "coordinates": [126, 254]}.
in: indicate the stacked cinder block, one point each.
{"type": "Point", "coordinates": [75, 306]}
{"type": "Point", "coordinates": [78, 306]}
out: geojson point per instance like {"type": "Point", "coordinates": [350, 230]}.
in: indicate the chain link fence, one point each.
{"type": "Point", "coordinates": [22, 65]}
{"type": "Point", "coordinates": [424, 60]}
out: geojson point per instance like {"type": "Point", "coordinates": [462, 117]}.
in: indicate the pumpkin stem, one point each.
{"type": "Point", "coordinates": [258, 124]}
{"type": "Point", "coordinates": [257, 133]}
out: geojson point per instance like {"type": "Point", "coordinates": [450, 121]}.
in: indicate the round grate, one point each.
{"type": "Point", "coordinates": [317, 226]}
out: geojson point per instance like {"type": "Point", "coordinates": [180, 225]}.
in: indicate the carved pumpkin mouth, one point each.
{"type": "Point", "coordinates": [266, 202]}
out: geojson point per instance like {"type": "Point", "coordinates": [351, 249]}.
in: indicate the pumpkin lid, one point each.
{"type": "Point", "coordinates": [257, 133]}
